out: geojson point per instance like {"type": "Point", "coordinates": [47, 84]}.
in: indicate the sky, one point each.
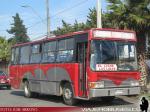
{"type": "Point", "coordinates": [34, 14]}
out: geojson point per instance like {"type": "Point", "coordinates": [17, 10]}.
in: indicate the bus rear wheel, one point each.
{"type": "Point", "coordinates": [68, 95]}
{"type": "Point", "coordinates": [27, 91]}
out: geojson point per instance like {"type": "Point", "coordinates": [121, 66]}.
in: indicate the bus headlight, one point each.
{"type": "Point", "coordinates": [96, 84]}
{"type": "Point", "coordinates": [134, 83]}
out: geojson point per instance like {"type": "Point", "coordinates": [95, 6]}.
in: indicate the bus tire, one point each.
{"type": "Point", "coordinates": [68, 95]}
{"type": "Point", "coordinates": [27, 91]}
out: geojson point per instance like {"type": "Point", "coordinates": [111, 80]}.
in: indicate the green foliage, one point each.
{"type": "Point", "coordinates": [18, 30]}
{"type": "Point", "coordinates": [78, 26]}
{"type": "Point", "coordinates": [90, 23]}
{"type": "Point", "coordinates": [122, 14]}
{"type": "Point", "coordinates": [130, 14]}
{"type": "Point", "coordinates": [4, 49]}
{"type": "Point", "coordinates": [91, 19]}
{"type": "Point", "coordinates": [68, 28]}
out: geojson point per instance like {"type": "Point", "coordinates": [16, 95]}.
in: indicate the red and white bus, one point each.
{"type": "Point", "coordinates": [97, 63]}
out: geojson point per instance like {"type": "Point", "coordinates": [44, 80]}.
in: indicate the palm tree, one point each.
{"type": "Point", "coordinates": [133, 15]}
{"type": "Point", "coordinates": [130, 14]}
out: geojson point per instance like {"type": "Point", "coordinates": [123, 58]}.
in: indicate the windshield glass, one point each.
{"type": "Point", "coordinates": [113, 56]}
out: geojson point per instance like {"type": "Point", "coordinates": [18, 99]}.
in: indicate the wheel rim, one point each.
{"type": "Point", "coordinates": [26, 90]}
{"type": "Point", "coordinates": [67, 94]}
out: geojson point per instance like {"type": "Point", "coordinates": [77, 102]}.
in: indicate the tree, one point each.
{"type": "Point", "coordinates": [66, 28]}
{"type": "Point", "coordinates": [132, 15]}
{"type": "Point", "coordinates": [122, 14]}
{"type": "Point", "coordinates": [18, 30]}
{"type": "Point", "coordinates": [92, 20]}
{"type": "Point", "coordinates": [4, 49]}
{"type": "Point", "coordinates": [78, 26]}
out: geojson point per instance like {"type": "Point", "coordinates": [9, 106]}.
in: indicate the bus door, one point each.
{"type": "Point", "coordinates": [81, 57]}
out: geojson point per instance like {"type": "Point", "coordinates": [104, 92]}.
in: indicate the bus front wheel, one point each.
{"type": "Point", "coordinates": [27, 91]}
{"type": "Point", "coordinates": [68, 95]}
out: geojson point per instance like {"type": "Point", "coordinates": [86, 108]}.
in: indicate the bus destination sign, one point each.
{"type": "Point", "coordinates": [106, 67]}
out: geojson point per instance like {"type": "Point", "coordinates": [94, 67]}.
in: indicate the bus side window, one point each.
{"type": "Point", "coordinates": [65, 50]}
{"type": "Point", "coordinates": [16, 58]}
{"type": "Point", "coordinates": [70, 49]}
{"type": "Point", "coordinates": [24, 54]}
{"type": "Point", "coordinates": [36, 51]}
{"type": "Point", "coordinates": [49, 51]}
{"type": "Point", "coordinates": [13, 56]}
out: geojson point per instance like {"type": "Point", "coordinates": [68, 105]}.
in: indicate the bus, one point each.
{"type": "Point", "coordinates": [95, 63]}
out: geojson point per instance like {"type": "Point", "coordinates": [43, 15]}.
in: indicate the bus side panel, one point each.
{"type": "Point", "coordinates": [48, 84]}
{"type": "Point", "coordinates": [14, 78]}
{"type": "Point", "coordinates": [72, 71]}
{"type": "Point", "coordinates": [55, 73]}
{"type": "Point", "coordinates": [46, 78]}
{"type": "Point", "coordinates": [32, 73]}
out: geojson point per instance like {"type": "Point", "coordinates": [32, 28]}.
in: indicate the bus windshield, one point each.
{"type": "Point", "coordinates": [113, 56]}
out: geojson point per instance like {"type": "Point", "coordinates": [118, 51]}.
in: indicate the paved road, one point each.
{"type": "Point", "coordinates": [16, 98]}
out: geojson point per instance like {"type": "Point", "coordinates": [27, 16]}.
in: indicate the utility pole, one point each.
{"type": "Point", "coordinates": [48, 18]}
{"type": "Point", "coordinates": [99, 14]}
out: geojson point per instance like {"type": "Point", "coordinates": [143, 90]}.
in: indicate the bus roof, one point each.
{"type": "Point", "coordinates": [71, 34]}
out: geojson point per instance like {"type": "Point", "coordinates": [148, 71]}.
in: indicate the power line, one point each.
{"type": "Point", "coordinates": [69, 8]}
{"type": "Point", "coordinates": [78, 19]}
{"type": "Point", "coordinates": [34, 24]}
{"type": "Point", "coordinates": [41, 36]}
{"type": "Point", "coordinates": [36, 38]}
{"type": "Point", "coordinates": [60, 12]}
{"type": "Point", "coordinates": [57, 19]}
{"type": "Point", "coordinates": [34, 33]}
{"type": "Point", "coordinates": [34, 11]}
{"type": "Point", "coordinates": [72, 16]}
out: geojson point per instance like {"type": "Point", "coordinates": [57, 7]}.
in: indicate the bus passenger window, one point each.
{"type": "Point", "coordinates": [12, 56]}
{"type": "Point", "coordinates": [65, 50]}
{"type": "Point", "coordinates": [24, 54]}
{"type": "Point", "coordinates": [16, 60]}
{"type": "Point", "coordinates": [36, 53]}
{"type": "Point", "coordinates": [49, 51]}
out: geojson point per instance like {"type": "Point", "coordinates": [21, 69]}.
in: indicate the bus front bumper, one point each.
{"type": "Point", "coordinates": [114, 92]}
